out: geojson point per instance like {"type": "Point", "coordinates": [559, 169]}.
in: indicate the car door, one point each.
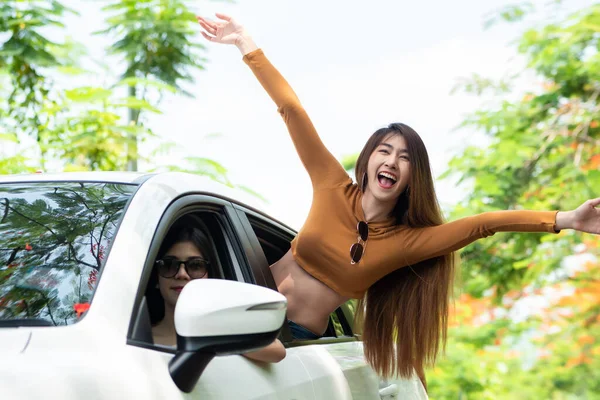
{"type": "Point", "coordinates": [225, 377]}
{"type": "Point", "coordinates": [335, 361]}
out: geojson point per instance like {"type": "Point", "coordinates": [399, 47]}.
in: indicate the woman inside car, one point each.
{"type": "Point", "coordinates": [185, 255]}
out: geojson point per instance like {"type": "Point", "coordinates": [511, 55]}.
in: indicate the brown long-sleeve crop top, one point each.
{"type": "Point", "coordinates": [322, 246]}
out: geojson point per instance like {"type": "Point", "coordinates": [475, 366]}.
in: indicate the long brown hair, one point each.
{"type": "Point", "coordinates": [408, 308]}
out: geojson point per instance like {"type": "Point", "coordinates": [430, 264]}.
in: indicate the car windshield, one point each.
{"type": "Point", "coordinates": [54, 239]}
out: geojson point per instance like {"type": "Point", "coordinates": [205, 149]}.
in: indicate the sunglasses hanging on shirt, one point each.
{"type": "Point", "coordinates": [357, 250]}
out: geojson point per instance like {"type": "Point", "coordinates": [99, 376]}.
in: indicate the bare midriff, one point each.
{"type": "Point", "coordinates": [309, 300]}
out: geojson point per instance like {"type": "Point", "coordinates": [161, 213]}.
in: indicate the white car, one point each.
{"type": "Point", "coordinates": [76, 254]}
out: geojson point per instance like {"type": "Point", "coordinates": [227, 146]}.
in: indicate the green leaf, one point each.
{"type": "Point", "coordinates": [9, 137]}
{"type": "Point", "coordinates": [521, 264]}
{"type": "Point", "coordinates": [136, 104]}
{"type": "Point", "coordinates": [594, 177]}
{"type": "Point", "coordinates": [88, 94]}
{"type": "Point", "coordinates": [71, 70]}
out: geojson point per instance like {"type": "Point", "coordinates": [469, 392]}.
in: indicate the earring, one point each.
{"type": "Point", "coordinates": [407, 191]}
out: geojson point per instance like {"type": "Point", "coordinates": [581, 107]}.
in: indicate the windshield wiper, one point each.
{"type": "Point", "coordinates": [14, 323]}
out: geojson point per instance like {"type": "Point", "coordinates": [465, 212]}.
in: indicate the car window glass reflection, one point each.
{"type": "Point", "coordinates": [54, 239]}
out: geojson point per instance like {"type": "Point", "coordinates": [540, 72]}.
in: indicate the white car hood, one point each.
{"type": "Point", "coordinates": [14, 340]}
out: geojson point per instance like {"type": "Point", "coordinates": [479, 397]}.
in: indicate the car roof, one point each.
{"type": "Point", "coordinates": [89, 176]}
{"type": "Point", "coordinates": [180, 182]}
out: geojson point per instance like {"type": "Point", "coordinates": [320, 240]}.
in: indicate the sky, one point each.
{"type": "Point", "coordinates": [355, 65]}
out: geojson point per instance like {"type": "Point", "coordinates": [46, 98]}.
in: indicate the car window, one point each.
{"type": "Point", "coordinates": [54, 240]}
{"type": "Point", "coordinates": [217, 247]}
{"type": "Point", "coordinates": [275, 242]}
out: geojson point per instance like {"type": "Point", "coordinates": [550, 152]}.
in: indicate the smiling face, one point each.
{"type": "Point", "coordinates": [398, 150]}
{"type": "Point", "coordinates": [388, 169]}
{"type": "Point", "coordinates": [170, 288]}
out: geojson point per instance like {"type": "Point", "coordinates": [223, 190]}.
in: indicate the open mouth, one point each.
{"type": "Point", "coordinates": [386, 180]}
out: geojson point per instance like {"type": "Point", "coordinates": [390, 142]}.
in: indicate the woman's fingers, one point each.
{"type": "Point", "coordinates": [210, 38]}
{"type": "Point", "coordinates": [223, 17]}
{"type": "Point", "coordinates": [594, 202]}
{"type": "Point", "coordinates": [210, 29]}
{"type": "Point", "coordinates": [222, 31]}
{"type": "Point", "coordinates": [208, 22]}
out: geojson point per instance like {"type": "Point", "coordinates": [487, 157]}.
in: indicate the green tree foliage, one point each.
{"type": "Point", "coordinates": [156, 39]}
{"type": "Point", "coordinates": [25, 56]}
{"type": "Point", "coordinates": [544, 154]}
{"type": "Point", "coordinates": [91, 133]}
{"type": "Point", "coordinates": [92, 128]}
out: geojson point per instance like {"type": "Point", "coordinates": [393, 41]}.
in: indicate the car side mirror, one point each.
{"type": "Point", "coordinates": [220, 317]}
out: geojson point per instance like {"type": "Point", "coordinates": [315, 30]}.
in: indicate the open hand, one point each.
{"type": "Point", "coordinates": [227, 30]}
{"type": "Point", "coordinates": [585, 218]}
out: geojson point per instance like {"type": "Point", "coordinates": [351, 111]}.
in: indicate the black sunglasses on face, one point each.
{"type": "Point", "coordinates": [358, 249]}
{"type": "Point", "coordinates": [168, 267]}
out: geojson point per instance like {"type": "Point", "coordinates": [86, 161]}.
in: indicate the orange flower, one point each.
{"type": "Point", "coordinates": [594, 163]}
{"type": "Point", "coordinates": [28, 247]}
{"type": "Point", "coordinates": [80, 308]}
{"type": "Point", "coordinates": [573, 361]}
{"type": "Point", "coordinates": [585, 339]}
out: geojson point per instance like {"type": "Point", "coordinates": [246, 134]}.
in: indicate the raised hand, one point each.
{"type": "Point", "coordinates": [585, 218]}
{"type": "Point", "coordinates": [227, 30]}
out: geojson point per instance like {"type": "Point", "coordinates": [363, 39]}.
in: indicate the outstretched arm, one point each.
{"type": "Point", "coordinates": [419, 244]}
{"type": "Point", "coordinates": [323, 168]}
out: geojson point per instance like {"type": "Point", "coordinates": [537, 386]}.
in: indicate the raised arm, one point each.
{"type": "Point", "coordinates": [323, 168]}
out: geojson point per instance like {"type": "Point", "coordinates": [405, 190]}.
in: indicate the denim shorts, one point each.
{"type": "Point", "coordinates": [300, 332]}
